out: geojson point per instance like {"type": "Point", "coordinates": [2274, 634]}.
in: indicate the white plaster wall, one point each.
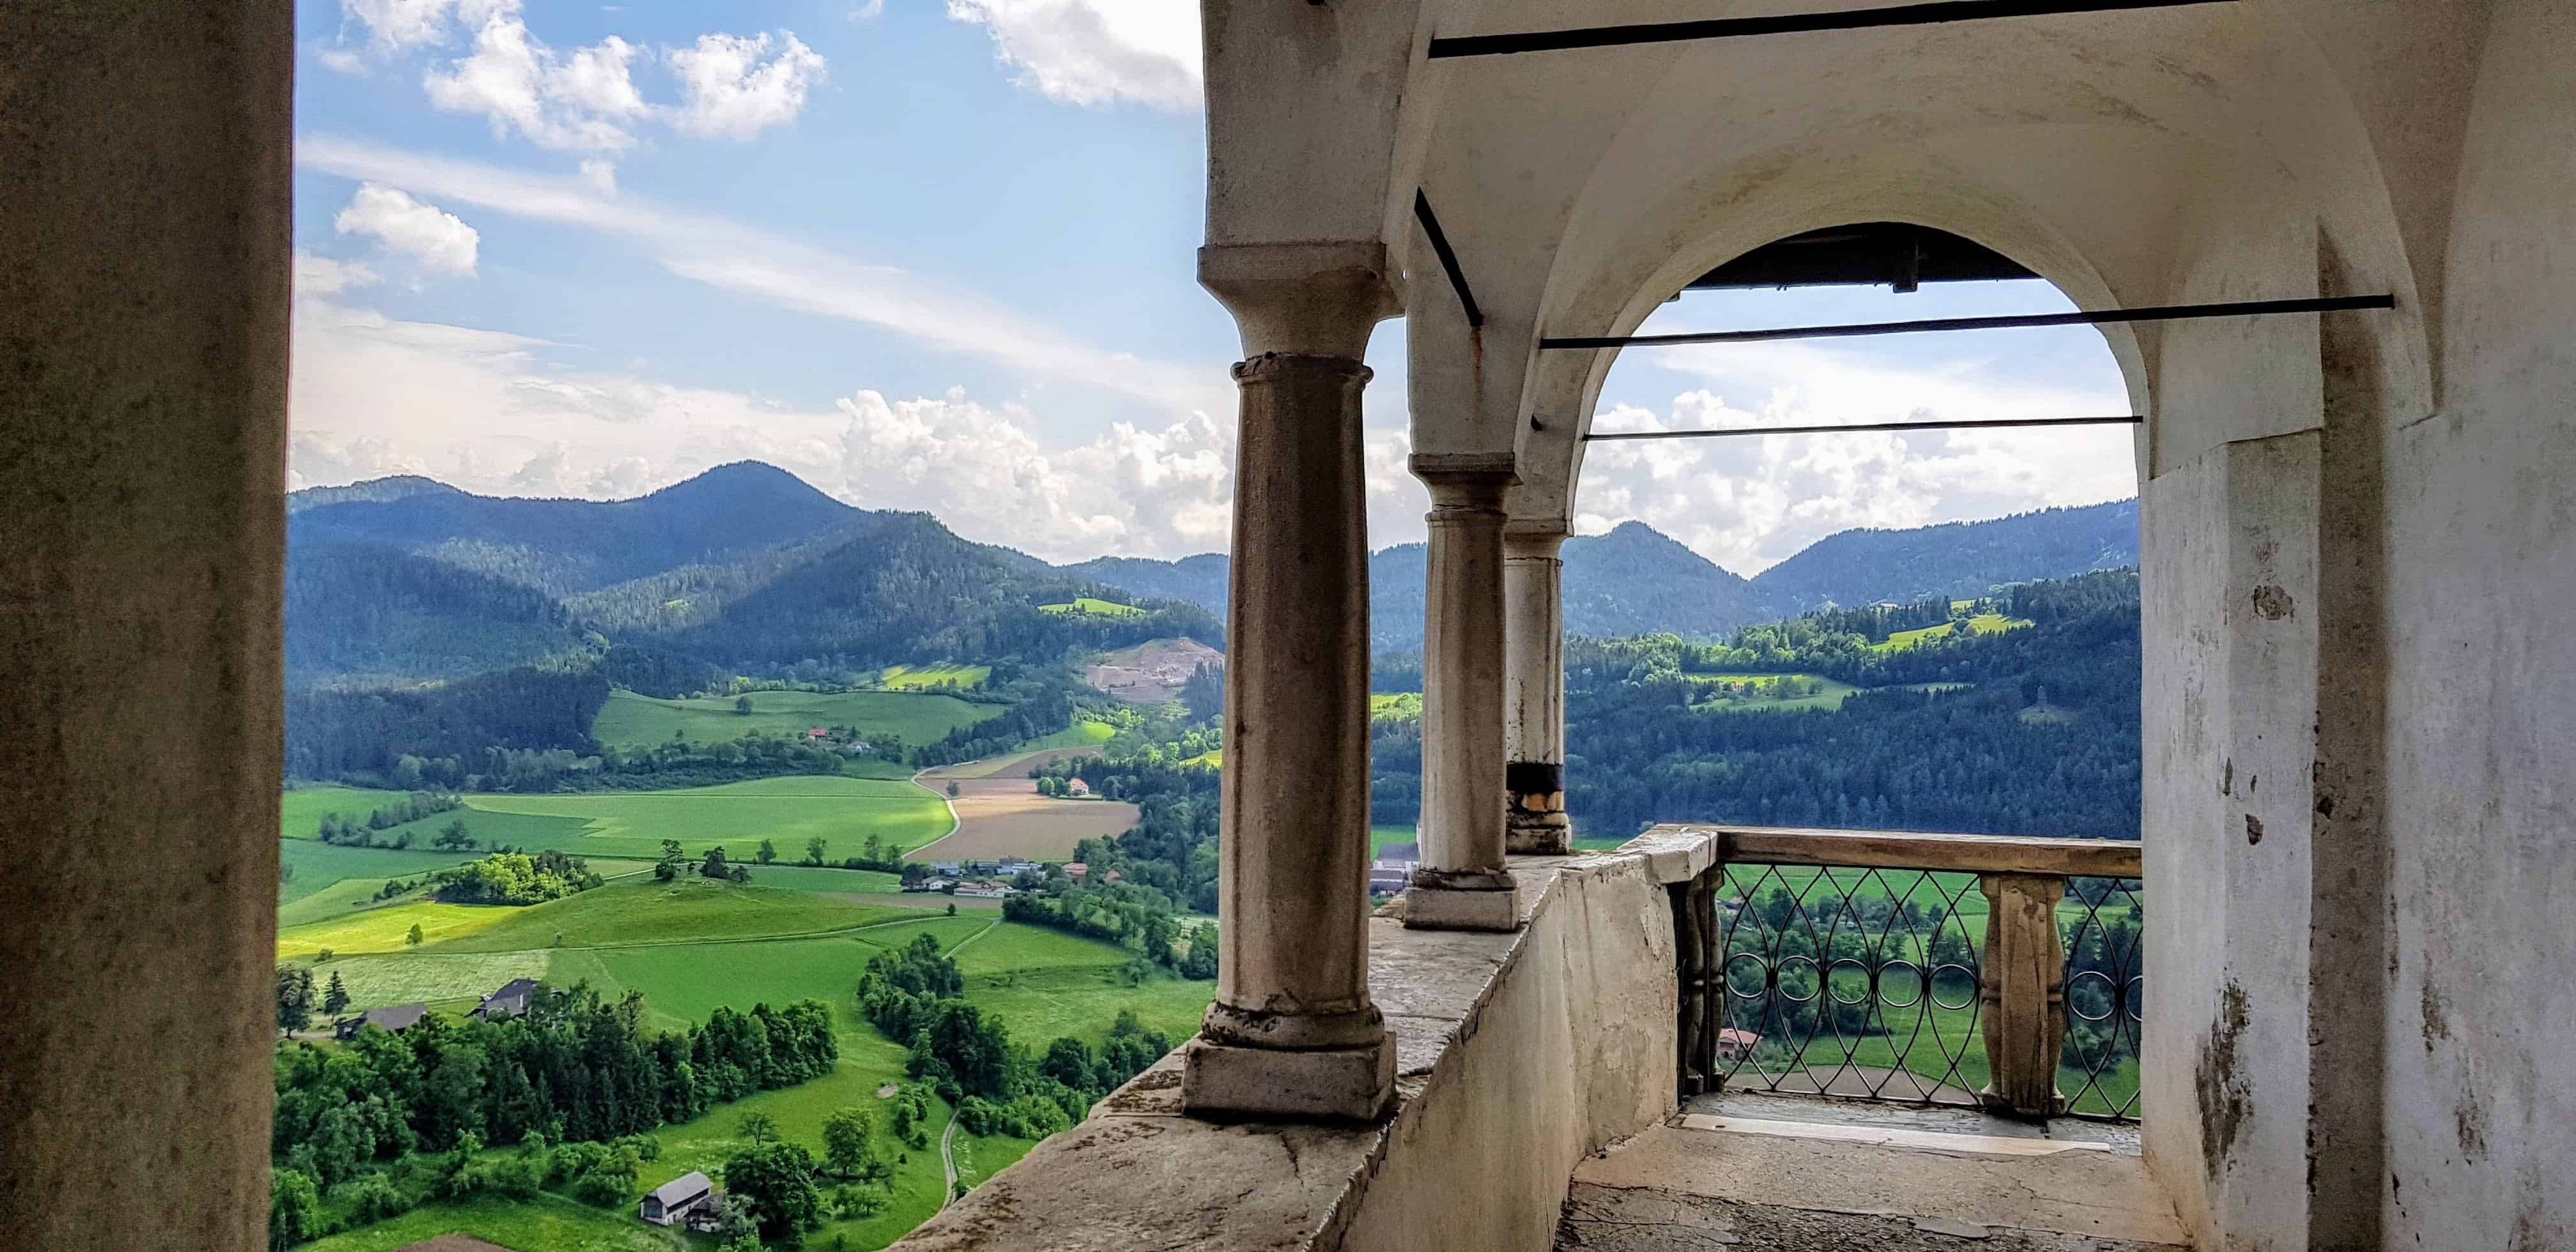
{"type": "Point", "coordinates": [2481, 801]}
{"type": "Point", "coordinates": [2229, 563]}
{"type": "Point", "coordinates": [1574, 1050]}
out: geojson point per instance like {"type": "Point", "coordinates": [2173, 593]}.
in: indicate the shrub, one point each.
{"type": "Point", "coordinates": [375, 1198]}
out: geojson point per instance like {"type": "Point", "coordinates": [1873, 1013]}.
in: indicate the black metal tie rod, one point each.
{"type": "Point", "coordinates": [1790, 23]}
{"type": "Point", "coordinates": [1448, 259]}
{"type": "Point", "coordinates": [2095, 317]}
{"type": "Point", "coordinates": [1987, 424]}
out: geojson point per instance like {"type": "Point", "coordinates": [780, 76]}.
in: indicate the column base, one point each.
{"type": "Point", "coordinates": [1230, 1082]}
{"type": "Point", "coordinates": [1538, 834]}
{"type": "Point", "coordinates": [1428, 906]}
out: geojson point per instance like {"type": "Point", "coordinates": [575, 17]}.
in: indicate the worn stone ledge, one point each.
{"type": "Point", "coordinates": [1138, 1174]}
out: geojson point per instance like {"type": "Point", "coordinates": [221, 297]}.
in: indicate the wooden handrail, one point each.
{"type": "Point", "coordinates": [2021, 977]}
{"type": "Point", "coordinates": [1906, 849]}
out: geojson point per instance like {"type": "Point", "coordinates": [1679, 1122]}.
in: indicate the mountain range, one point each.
{"type": "Point", "coordinates": [749, 569]}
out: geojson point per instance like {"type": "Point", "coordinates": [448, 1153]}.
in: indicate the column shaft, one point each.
{"type": "Point", "coordinates": [145, 247]}
{"type": "Point", "coordinates": [1462, 884]}
{"type": "Point", "coordinates": [1293, 1032]}
{"type": "Point", "coordinates": [1534, 696]}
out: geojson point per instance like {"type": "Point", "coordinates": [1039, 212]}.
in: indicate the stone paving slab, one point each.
{"type": "Point", "coordinates": [1610, 1219]}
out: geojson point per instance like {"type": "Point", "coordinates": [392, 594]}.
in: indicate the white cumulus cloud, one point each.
{"type": "Point", "coordinates": [1096, 52]}
{"type": "Point", "coordinates": [733, 87]}
{"type": "Point", "coordinates": [321, 276]}
{"type": "Point", "coordinates": [582, 102]}
{"type": "Point", "coordinates": [438, 240]}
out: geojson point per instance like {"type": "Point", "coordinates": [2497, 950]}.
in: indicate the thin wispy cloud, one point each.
{"type": "Point", "coordinates": [730, 256]}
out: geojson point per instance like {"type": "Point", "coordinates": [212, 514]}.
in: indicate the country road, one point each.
{"type": "Point", "coordinates": [948, 1159]}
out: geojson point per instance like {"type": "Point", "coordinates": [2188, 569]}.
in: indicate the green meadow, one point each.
{"type": "Point", "coordinates": [323, 869]}
{"type": "Point", "coordinates": [644, 910]}
{"type": "Point", "coordinates": [788, 811]}
{"type": "Point", "coordinates": [550, 1222]}
{"type": "Point", "coordinates": [1981, 624]}
{"type": "Point", "coordinates": [923, 677]}
{"type": "Point", "coordinates": [633, 721]}
{"type": "Point", "coordinates": [1094, 607]}
{"type": "Point", "coordinates": [1765, 694]}
{"type": "Point", "coordinates": [300, 809]}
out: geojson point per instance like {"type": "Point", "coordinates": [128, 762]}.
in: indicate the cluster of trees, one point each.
{"type": "Point", "coordinates": [516, 878]}
{"type": "Point", "coordinates": [1134, 916]}
{"type": "Point", "coordinates": [296, 997]}
{"type": "Point", "coordinates": [915, 995]}
{"type": "Point", "coordinates": [574, 1068]}
{"type": "Point", "coordinates": [335, 828]}
{"type": "Point", "coordinates": [680, 763]}
{"type": "Point", "coordinates": [1041, 708]}
{"type": "Point", "coordinates": [603, 1174]}
{"type": "Point", "coordinates": [1172, 846]}
{"type": "Point", "coordinates": [674, 863]}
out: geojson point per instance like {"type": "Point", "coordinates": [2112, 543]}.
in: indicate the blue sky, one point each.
{"type": "Point", "coordinates": [937, 255]}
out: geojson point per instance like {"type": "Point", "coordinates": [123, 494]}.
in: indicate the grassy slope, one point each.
{"type": "Point", "coordinates": [1078, 735]}
{"type": "Point", "coordinates": [318, 866]}
{"type": "Point", "coordinates": [631, 720]}
{"type": "Point", "coordinates": [550, 1223]}
{"type": "Point", "coordinates": [917, 677]}
{"type": "Point", "coordinates": [300, 810]}
{"type": "Point", "coordinates": [1981, 624]}
{"type": "Point", "coordinates": [789, 810]}
{"type": "Point", "coordinates": [1094, 606]}
{"type": "Point", "coordinates": [648, 911]}
{"type": "Point", "coordinates": [1830, 694]}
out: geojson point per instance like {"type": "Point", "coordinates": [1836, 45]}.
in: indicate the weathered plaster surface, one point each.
{"type": "Point", "coordinates": [2481, 795]}
{"type": "Point", "coordinates": [144, 257]}
{"type": "Point", "coordinates": [1518, 1055]}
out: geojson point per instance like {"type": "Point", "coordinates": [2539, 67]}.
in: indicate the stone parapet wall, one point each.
{"type": "Point", "coordinates": [1518, 1055]}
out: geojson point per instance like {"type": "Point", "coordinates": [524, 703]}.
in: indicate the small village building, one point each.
{"type": "Point", "coordinates": [945, 869]}
{"type": "Point", "coordinates": [511, 1000]}
{"type": "Point", "coordinates": [1733, 1043]}
{"type": "Point", "coordinates": [394, 1020]}
{"type": "Point", "coordinates": [1387, 878]}
{"type": "Point", "coordinates": [818, 735]}
{"type": "Point", "coordinates": [1076, 870]}
{"type": "Point", "coordinates": [1077, 787]}
{"type": "Point", "coordinates": [986, 890]}
{"type": "Point", "coordinates": [673, 1200]}
{"type": "Point", "coordinates": [1113, 876]}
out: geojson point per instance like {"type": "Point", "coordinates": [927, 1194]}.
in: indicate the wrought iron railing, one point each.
{"type": "Point", "coordinates": [1933, 969]}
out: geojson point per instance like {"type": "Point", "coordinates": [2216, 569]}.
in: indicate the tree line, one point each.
{"type": "Point", "coordinates": [572, 1068]}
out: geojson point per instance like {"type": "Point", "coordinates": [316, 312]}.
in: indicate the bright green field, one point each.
{"type": "Point", "coordinates": [689, 909]}
{"type": "Point", "coordinates": [809, 878]}
{"type": "Point", "coordinates": [1094, 607]}
{"type": "Point", "coordinates": [1399, 706]}
{"type": "Point", "coordinates": [428, 977]}
{"type": "Point", "coordinates": [630, 720]}
{"type": "Point", "coordinates": [1981, 624]}
{"type": "Point", "coordinates": [788, 811]}
{"type": "Point", "coordinates": [1830, 693]}
{"type": "Point", "coordinates": [384, 930]}
{"type": "Point", "coordinates": [918, 677]}
{"type": "Point", "coordinates": [549, 1223]}
{"type": "Point", "coordinates": [318, 866]}
{"type": "Point", "coordinates": [1078, 735]}
{"type": "Point", "coordinates": [299, 811]}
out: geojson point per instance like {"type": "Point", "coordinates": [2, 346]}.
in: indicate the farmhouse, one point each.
{"type": "Point", "coordinates": [1076, 787]}
{"type": "Point", "coordinates": [818, 735]}
{"type": "Point", "coordinates": [394, 1020]}
{"type": "Point", "coordinates": [510, 1001]}
{"type": "Point", "coordinates": [672, 1201]}
{"type": "Point", "coordinates": [986, 890]}
{"type": "Point", "coordinates": [1076, 870]}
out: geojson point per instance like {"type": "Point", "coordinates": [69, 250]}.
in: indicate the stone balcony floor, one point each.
{"type": "Point", "coordinates": [1756, 1173]}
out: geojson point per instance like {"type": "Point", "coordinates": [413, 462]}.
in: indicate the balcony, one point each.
{"type": "Point", "coordinates": [1712, 1037]}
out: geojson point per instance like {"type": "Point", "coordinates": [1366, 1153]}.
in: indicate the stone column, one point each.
{"type": "Point", "coordinates": [144, 260]}
{"type": "Point", "coordinates": [1461, 883]}
{"type": "Point", "coordinates": [1534, 696]}
{"type": "Point", "coordinates": [1293, 1033]}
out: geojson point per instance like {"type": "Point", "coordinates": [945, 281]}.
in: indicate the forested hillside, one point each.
{"type": "Point", "coordinates": [2028, 731]}
{"type": "Point", "coordinates": [1954, 559]}
{"type": "Point", "coordinates": [363, 611]}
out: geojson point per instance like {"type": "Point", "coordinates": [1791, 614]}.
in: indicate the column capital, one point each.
{"type": "Point", "coordinates": [1527, 540]}
{"type": "Point", "coordinates": [1465, 480]}
{"type": "Point", "coordinates": [1305, 299]}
